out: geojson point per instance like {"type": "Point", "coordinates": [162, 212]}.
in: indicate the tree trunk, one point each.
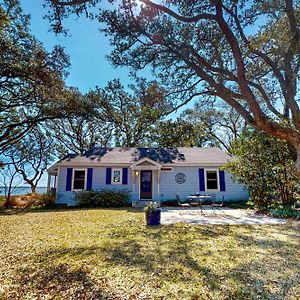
{"type": "Point", "coordinates": [8, 202]}
{"type": "Point", "coordinates": [33, 188]}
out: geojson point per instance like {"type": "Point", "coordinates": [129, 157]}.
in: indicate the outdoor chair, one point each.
{"type": "Point", "coordinates": [217, 205]}
{"type": "Point", "coordinates": [182, 204]}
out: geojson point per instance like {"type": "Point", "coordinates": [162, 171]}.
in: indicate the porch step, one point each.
{"type": "Point", "coordinates": [143, 203]}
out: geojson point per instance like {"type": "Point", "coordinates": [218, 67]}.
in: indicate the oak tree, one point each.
{"type": "Point", "coordinates": [246, 53]}
{"type": "Point", "coordinates": [32, 87]}
{"type": "Point", "coordinates": [132, 114]}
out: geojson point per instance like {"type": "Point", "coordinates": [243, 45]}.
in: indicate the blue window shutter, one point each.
{"type": "Point", "coordinates": [89, 182]}
{"type": "Point", "coordinates": [69, 179]}
{"type": "Point", "coordinates": [201, 180]}
{"type": "Point", "coordinates": [108, 175]}
{"type": "Point", "coordinates": [125, 176]}
{"type": "Point", "coordinates": [222, 181]}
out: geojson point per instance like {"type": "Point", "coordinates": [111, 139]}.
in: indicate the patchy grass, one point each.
{"type": "Point", "coordinates": [110, 254]}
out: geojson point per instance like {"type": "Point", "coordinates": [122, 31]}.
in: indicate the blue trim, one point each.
{"type": "Point", "coordinates": [222, 181]}
{"type": "Point", "coordinates": [201, 180]}
{"type": "Point", "coordinates": [69, 179]}
{"type": "Point", "coordinates": [108, 175]}
{"type": "Point", "coordinates": [125, 176]}
{"type": "Point", "coordinates": [89, 182]}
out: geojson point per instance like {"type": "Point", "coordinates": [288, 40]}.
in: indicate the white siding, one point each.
{"type": "Point", "coordinates": [168, 186]}
{"type": "Point", "coordinates": [99, 182]}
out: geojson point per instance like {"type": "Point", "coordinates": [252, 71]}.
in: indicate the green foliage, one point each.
{"type": "Point", "coordinates": [102, 198]}
{"type": "Point", "coordinates": [131, 114]}
{"type": "Point", "coordinates": [219, 126]}
{"type": "Point", "coordinates": [171, 202]}
{"type": "Point", "coordinates": [76, 134]}
{"type": "Point", "coordinates": [264, 164]}
{"type": "Point", "coordinates": [151, 207]}
{"type": "Point", "coordinates": [178, 133]}
{"type": "Point", "coordinates": [285, 212]}
{"type": "Point", "coordinates": [244, 53]}
{"type": "Point", "coordinates": [32, 87]}
{"type": "Point", "coordinates": [239, 204]}
{"type": "Point", "coordinates": [30, 156]}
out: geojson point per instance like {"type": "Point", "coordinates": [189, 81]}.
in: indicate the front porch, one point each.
{"type": "Point", "coordinates": [52, 181]}
{"type": "Point", "coordinates": [145, 182]}
{"type": "Point", "coordinates": [142, 203]}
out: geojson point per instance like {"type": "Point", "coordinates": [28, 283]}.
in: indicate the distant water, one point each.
{"type": "Point", "coordinates": [23, 190]}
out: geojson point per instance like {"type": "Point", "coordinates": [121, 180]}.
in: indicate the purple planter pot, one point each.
{"type": "Point", "coordinates": [152, 217]}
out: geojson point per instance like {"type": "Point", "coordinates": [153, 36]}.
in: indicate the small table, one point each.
{"type": "Point", "coordinates": [196, 200]}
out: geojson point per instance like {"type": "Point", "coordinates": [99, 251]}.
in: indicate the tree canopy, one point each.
{"type": "Point", "coordinates": [32, 87]}
{"type": "Point", "coordinates": [132, 114]}
{"type": "Point", "coordinates": [264, 165]}
{"type": "Point", "coordinates": [246, 53]}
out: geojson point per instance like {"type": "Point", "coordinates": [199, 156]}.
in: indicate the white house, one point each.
{"type": "Point", "coordinates": [147, 173]}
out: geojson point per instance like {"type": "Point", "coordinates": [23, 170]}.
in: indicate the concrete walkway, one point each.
{"type": "Point", "coordinates": [219, 216]}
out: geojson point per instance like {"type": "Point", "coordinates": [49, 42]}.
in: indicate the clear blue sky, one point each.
{"type": "Point", "coordinates": [86, 47]}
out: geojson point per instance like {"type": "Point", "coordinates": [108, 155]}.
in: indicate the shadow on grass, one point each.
{"type": "Point", "coordinates": [167, 254]}
{"type": "Point", "coordinates": [152, 262]}
{"type": "Point", "coordinates": [253, 282]}
{"type": "Point", "coordinates": [20, 211]}
{"type": "Point", "coordinates": [62, 281]}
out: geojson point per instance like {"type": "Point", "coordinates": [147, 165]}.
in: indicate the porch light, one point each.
{"type": "Point", "coordinates": [136, 173]}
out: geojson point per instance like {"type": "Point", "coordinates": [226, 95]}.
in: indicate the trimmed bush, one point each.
{"type": "Point", "coordinates": [285, 212]}
{"type": "Point", "coordinates": [102, 198]}
{"type": "Point", "coordinates": [170, 202]}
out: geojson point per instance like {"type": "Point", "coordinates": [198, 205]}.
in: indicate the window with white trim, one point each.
{"type": "Point", "coordinates": [116, 176]}
{"type": "Point", "coordinates": [212, 182]}
{"type": "Point", "coordinates": [79, 180]}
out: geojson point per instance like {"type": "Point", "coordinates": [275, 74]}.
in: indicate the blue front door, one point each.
{"type": "Point", "coordinates": [146, 185]}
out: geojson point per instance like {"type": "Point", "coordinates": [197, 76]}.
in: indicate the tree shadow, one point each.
{"type": "Point", "coordinates": [20, 211]}
{"type": "Point", "coordinates": [158, 260]}
{"type": "Point", "coordinates": [270, 240]}
{"type": "Point", "coordinates": [257, 284]}
{"type": "Point", "coordinates": [51, 281]}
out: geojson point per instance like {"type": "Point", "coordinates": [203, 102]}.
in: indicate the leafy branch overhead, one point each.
{"type": "Point", "coordinates": [32, 88]}
{"type": "Point", "coordinates": [246, 53]}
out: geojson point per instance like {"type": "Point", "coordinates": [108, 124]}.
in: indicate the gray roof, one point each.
{"type": "Point", "coordinates": [179, 156]}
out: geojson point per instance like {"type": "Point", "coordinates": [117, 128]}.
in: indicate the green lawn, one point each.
{"type": "Point", "coordinates": [110, 254]}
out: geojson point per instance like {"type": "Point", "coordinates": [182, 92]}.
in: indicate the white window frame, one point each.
{"type": "Point", "coordinates": [218, 180]}
{"type": "Point", "coordinates": [73, 179]}
{"type": "Point", "coordinates": [112, 175]}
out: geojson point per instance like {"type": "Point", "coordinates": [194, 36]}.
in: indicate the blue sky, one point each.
{"type": "Point", "coordinates": [86, 46]}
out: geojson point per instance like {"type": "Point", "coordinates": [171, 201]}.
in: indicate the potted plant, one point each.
{"type": "Point", "coordinates": [152, 214]}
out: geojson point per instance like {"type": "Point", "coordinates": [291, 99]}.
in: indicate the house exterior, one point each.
{"type": "Point", "coordinates": [147, 173]}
